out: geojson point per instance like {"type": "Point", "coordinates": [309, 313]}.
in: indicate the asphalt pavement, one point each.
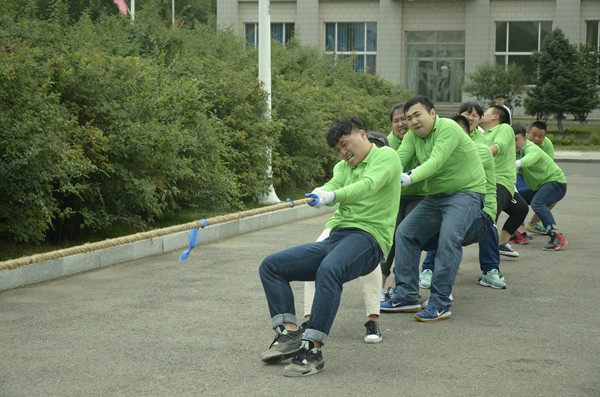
{"type": "Point", "coordinates": [158, 327]}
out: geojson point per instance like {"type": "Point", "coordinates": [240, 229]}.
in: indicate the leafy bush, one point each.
{"type": "Point", "coordinates": [109, 123]}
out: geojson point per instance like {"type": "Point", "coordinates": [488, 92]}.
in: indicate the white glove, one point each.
{"type": "Point", "coordinates": [518, 164]}
{"type": "Point", "coordinates": [405, 180]}
{"type": "Point", "coordinates": [320, 197]}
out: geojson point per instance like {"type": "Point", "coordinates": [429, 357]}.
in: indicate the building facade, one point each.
{"type": "Point", "coordinates": [426, 46]}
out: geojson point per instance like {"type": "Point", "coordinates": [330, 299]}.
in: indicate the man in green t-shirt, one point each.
{"type": "Point", "coordinates": [546, 184]}
{"type": "Point", "coordinates": [537, 134]}
{"type": "Point", "coordinates": [411, 195]}
{"type": "Point", "coordinates": [455, 197]}
{"type": "Point", "coordinates": [366, 187]}
{"type": "Point", "coordinates": [482, 229]}
{"type": "Point", "coordinates": [499, 136]}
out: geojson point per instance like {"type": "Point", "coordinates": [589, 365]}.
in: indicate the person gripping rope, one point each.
{"type": "Point", "coordinates": [366, 187]}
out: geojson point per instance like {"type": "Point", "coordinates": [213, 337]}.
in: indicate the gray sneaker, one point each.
{"type": "Point", "coordinates": [492, 279]}
{"type": "Point", "coordinates": [285, 345]}
{"type": "Point", "coordinates": [308, 361]}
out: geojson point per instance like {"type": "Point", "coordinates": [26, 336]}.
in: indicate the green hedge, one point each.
{"type": "Point", "coordinates": [106, 122]}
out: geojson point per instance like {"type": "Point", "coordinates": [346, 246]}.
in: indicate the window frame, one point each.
{"type": "Point", "coordinates": [506, 53]}
{"type": "Point", "coordinates": [597, 39]}
{"type": "Point", "coordinates": [365, 53]}
{"type": "Point", "coordinates": [254, 32]}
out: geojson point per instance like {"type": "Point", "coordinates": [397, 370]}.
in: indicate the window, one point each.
{"type": "Point", "coordinates": [592, 34]}
{"type": "Point", "coordinates": [516, 41]}
{"type": "Point", "coordinates": [282, 32]}
{"type": "Point", "coordinates": [435, 64]}
{"type": "Point", "coordinates": [353, 39]}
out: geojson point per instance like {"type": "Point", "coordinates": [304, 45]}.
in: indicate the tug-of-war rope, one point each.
{"type": "Point", "coordinates": [192, 226]}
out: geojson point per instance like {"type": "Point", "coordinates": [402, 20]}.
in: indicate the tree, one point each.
{"type": "Point", "coordinates": [489, 80]}
{"type": "Point", "coordinates": [566, 82]}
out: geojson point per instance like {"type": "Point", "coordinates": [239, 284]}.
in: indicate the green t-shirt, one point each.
{"type": "Point", "coordinates": [442, 157]}
{"type": "Point", "coordinates": [477, 136]}
{"type": "Point", "coordinates": [487, 160]}
{"type": "Point", "coordinates": [503, 137]}
{"type": "Point", "coordinates": [368, 195]}
{"type": "Point", "coordinates": [548, 147]}
{"type": "Point", "coordinates": [538, 168]}
{"type": "Point", "coordinates": [394, 141]}
{"type": "Point", "coordinates": [417, 188]}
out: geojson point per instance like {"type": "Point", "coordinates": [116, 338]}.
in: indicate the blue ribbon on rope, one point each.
{"type": "Point", "coordinates": [193, 241]}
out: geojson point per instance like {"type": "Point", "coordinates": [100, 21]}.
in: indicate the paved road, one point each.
{"type": "Point", "coordinates": [157, 327]}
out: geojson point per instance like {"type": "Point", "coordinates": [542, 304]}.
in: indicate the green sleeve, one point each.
{"type": "Point", "coordinates": [548, 147]}
{"type": "Point", "coordinates": [376, 175]}
{"type": "Point", "coordinates": [445, 144]}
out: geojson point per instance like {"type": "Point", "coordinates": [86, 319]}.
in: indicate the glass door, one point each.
{"type": "Point", "coordinates": [435, 80]}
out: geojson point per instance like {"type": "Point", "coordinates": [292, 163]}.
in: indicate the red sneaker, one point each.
{"type": "Point", "coordinates": [556, 242]}
{"type": "Point", "coordinates": [518, 238]}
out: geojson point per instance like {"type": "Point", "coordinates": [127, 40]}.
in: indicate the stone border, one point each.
{"type": "Point", "coordinates": [69, 265]}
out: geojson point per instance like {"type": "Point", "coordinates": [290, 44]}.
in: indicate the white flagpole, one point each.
{"type": "Point", "coordinates": [132, 10]}
{"type": "Point", "coordinates": [173, 12]}
{"type": "Point", "coordinates": [264, 75]}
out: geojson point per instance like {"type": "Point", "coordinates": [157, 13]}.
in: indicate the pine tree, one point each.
{"type": "Point", "coordinates": [565, 84]}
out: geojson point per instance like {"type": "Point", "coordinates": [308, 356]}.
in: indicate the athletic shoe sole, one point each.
{"type": "Point", "coordinates": [481, 282]}
{"type": "Point", "coordinates": [312, 371]}
{"type": "Point", "coordinates": [510, 254]}
{"type": "Point", "coordinates": [373, 339]}
{"type": "Point", "coordinates": [444, 316]}
{"type": "Point", "coordinates": [403, 309]}
{"type": "Point", "coordinates": [532, 230]}
{"type": "Point", "coordinates": [424, 285]}
{"type": "Point", "coordinates": [519, 242]}
{"type": "Point", "coordinates": [274, 356]}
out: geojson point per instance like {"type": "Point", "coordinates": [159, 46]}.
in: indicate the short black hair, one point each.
{"type": "Point", "coordinates": [519, 130]}
{"type": "Point", "coordinates": [378, 138]}
{"type": "Point", "coordinates": [462, 121]}
{"type": "Point", "coordinates": [539, 125]}
{"type": "Point", "coordinates": [398, 106]}
{"type": "Point", "coordinates": [469, 106]}
{"type": "Point", "coordinates": [503, 113]}
{"type": "Point", "coordinates": [419, 99]}
{"type": "Point", "coordinates": [500, 96]}
{"type": "Point", "coordinates": [342, 126]}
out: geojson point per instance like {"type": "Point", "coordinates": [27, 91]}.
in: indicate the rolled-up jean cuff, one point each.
{"type": "Point", "coordinates": [315, 336]}
{"type": "Point", "coordinates": [284, 318]}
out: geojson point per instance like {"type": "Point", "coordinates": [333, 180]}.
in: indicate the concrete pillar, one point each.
{"type": "Point", "coordinates": [479, 37]}
{"type": "Point", "coordinates": [389, 41]}
{"type": "Point", "coordinates": [307, 22]}
{"type": "Point", "coordinates": [567, 18]}
{"type": "Point", "coordinates": [227, 12]}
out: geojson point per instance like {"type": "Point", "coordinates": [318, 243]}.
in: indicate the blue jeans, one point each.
{"type": "Point", "coordinates": [540, 201]}
{"type": "Point", "coordinates": [450, 216]}
{"type": "Point", "coordinates": [481, 231]}
{"type": "Point", "coordinates": [347, 254]}
{"type": "Point", "coordinates": [520, 182]}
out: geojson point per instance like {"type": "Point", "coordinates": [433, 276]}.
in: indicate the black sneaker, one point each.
{"type": "Point", "coordinates": [285, 345]}
{"type": "Point", "coordinates": [373, 334]}
{"type": "Point", "coordinates": [308, 361]}
{"type": "Point", "coordinates": [304, 326]}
